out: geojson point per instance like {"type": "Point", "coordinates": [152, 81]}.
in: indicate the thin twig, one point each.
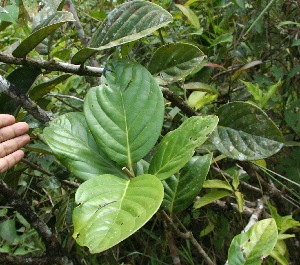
{"type": "Point", "coordinates": [189, 236]}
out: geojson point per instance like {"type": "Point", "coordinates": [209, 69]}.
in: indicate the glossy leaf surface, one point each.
{"type": "Point", "coordinates": [110, 209]}
{"type": "Point", "coordinates": [127, 22]}
{"type": "Point", "coordinates": [72, 143]}
{"type": "Point", "coordinates": [245, 132]}
{"type": "Point", "coordinates": [178, 146]}
{"type": "Point", "coordinates": [251, 247]}
{"type": "Point", "coordinates": [41, 32]}
{"type": "Point", "coordinates": [181, 189]}
{"type": "Point", "coordinates": [125, 113]}
{"type": "Point", "coordinates": [173, 62]}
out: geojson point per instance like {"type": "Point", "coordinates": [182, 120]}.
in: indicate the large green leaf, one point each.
{"type": "Point", "coordinates": [72, 143]}
{"type": "Point", "coordinates": [127, 22]}
{"type": "Point", "coordinates": [175, 61]}
{"type": "Point", "coordinates": [125, 113]}
{"type": "Point", "coordinates": [110, 209]}
{"type": "Point", "coordinates": [178, 146]}
{"type": "Point", "coordinates": [245, 132]}
{"type": "Point", "coordinates": [252, 247]}
{"type": "Point", "coordinates": [41, 32]}
{"type": "Point", "coordinates": [181, 189]}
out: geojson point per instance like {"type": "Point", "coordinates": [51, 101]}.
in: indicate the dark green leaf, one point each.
{"type": "Point", "coordinates": [127, 22]}
{"type": "Point", "coordinates": [41, 32]}
{"type": "Point", "coordinates": [246, 133]}
{"type": "Point", "coordinates": [173, 62]}
{"type": "Point", "coordinates": [181, 189]}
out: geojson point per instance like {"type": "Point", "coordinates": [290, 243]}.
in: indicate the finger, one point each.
{"type": "Point", "coordinates": [12, 131]}
{"type": "Point", "coordinates": [6, 119]}
{"type": "Point", "coordinates": [13, 145]}
{"type": "Point", "coordinates": [9, 161]}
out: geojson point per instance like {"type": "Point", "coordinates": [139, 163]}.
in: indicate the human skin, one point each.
{"type": "Point", "coordinates": [13, 136]}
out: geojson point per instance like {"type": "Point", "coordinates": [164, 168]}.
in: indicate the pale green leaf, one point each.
{"type": "Point", "coordinates": [110, 209]}
{"type": "Point", "coordinates": [127, 22]}
{"type": "Point", "coordinates": [189, 13]}
{"type": "Point", "coordinates": [245, 132]}
{"type": "Point", "coordinates": [125, 113]}
{"type": "Point", "coordinates": [217, 184]}
{"type": "Point", "coordinates": [181, 189]}
{"type": "Point", "coordinates": [72, 143]}
{"type": "Point", "coordinates": [174, 61]}
{"type": "Point", "coordinates": [211, 197]}
{"type": "Point", "coordinates": [177, 147]}
{"type": "Point", "coordinates": [251, 247]}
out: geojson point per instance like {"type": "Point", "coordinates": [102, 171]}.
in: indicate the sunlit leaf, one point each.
{"type": "Point", "coordinates": [110, 209]}
{"type": "Point", "coordinates": [178, 146]}
{"type": "Point", "coordinates": [125, 113]}
{"type": "Point", "coordinates": [175, 61]}
{"type": "Point", "coordinates": [253, 246]}
{"type": "Point", "coordinates": [245, 132]}
{"type": "Point", "coordinates": [210, 197]}
{"type": "Point", "coordinates": [189, 13]}
{"type": "Point", "coordinates": [181, 189]}
{"type": "Point", "coordinates": [127, 22]}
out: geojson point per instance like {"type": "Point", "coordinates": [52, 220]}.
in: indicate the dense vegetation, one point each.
{"type": "Point", "coordinates": [162, 132]}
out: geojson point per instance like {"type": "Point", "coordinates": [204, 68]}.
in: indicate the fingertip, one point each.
{"type": "Point", "coordinates": [6, 119]}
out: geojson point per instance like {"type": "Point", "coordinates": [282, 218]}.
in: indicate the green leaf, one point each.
{"type": "Point", "coordinates": [127, 22]}
{"type": "Point", "coordinates": [42, 89]}
{"type": "Point", "coordinates": [178, 146]}
{"type": "Point", "coordinates": [110, 209]}
{"type": "Point", "coordinates": [72, 143]}
{"type": "Point", "coordinates": [41, 32]}
{"type": "Point", "coordinates": [189, 13]}
{"type": "Point", "coordinates": [23, 78]}
{"type": "Point", "coordinates": [211, 197]}
{"type": "Point", "coordinates": [283, 222]}
{"type": "Point", "coordinates": [173, 62]}
{"type": "Point", "coordinates": [246, 133]}
{"type": "Point", "coordinates": [252, 247]}
{"type": "Point", "coordinates": [8, 230]}
{"type": "Point", "coordinates": [9, 14]}
{"type": "Point", "coordinates": [125, 113]}
{"type": "Point", "coordinates": [217, 184]}
{"type": "Point", "coordinates": [181, 189]}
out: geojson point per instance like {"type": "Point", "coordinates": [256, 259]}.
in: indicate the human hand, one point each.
{"type": "Point", "coordinates": [12, 137]}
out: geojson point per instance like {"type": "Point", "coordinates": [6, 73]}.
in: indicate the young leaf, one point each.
{"type": "Point", "coordinates": [181, 189]}
{"type": "Point", "coordinates": [72, 143]}
{"type": "Point", "coordinates": [255, 245]}
{"type": "Point", "coordinates": [127, 22]}
{"type": "Point", "coordinates": [217, 184]}
{"type": "Point", "coordinates": [211, 197]}
{"type": "Point", "coordinates": [44, 29]}
{"type": "Point", "coordinates": [125, 113]}
{"type": "Point", "coordinates": [110, 209]}
{"type": "Point", "coordinates": [173, 62]}
{"type": "Point", "coordinates": [189, 13]}
{"type": "Point", "coordinates": [245, 132]}
{"type": "Point", "coordinates": [178, 146]}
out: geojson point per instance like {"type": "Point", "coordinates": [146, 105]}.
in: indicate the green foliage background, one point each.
{"type": "Point", "coordinates": [228, 51]}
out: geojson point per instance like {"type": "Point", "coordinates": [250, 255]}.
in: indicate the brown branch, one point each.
{"type": "Point", "coordinates": [178, 101]}
{"type": "Point", "coordinates": [189, 236]}
{"type": "Point", "coordinates": [23, 100]}
{"type": "Point", "coordinates": [89, 71]}
{"type": "Point", "coordinates": [6, 259]}
{"type": "Point", "coordinates": [53, 247]}
{"type": "Point", "coordinates": [52, 65]}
